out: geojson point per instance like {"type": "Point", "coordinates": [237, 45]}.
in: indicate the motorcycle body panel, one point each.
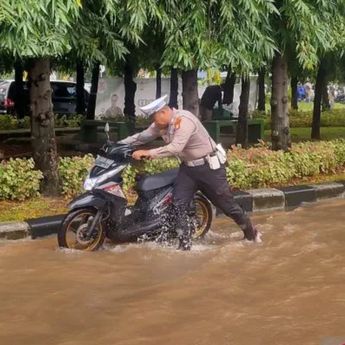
{"type": "Point", "coordinates": [88, 199]}
{"type": "Point", "coordinates": [122, 223]}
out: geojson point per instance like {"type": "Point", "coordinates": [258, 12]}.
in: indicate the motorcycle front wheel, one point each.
{"type": "Point", "coordinates": [203, 216]}
{"type": "Point", "coordinates": [72, 233]}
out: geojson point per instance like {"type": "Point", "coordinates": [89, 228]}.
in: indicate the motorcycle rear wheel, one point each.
{"type": "Point", "coordinates": [204, 215]}
{"type": "Point", "coordinates": [73, 229]}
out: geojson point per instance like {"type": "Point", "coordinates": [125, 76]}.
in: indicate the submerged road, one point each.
{"type": "Point", "coordinates": [288, 290]}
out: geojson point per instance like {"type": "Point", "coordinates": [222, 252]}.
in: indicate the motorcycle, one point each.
{"type": "Point", "coordinates": [103, 211]}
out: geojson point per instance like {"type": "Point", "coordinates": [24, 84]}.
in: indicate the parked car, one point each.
{"type": "Point", "coordinates": [340, 98]}
{"type": "Point", "coordinates": [64, 97]}
{"type": "Point", "coordinates": [6, 103]}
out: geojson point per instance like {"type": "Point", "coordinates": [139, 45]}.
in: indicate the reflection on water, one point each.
{"type": "Point", "coordinates": [289, 290]}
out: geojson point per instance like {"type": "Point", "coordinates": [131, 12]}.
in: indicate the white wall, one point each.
{"type": "Point", "coordinates": [146, 92]}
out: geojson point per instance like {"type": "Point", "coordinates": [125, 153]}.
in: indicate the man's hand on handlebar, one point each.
{"type": "Point", "coordinates": [140, 154]}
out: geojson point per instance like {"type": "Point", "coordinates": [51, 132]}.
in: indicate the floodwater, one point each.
{"type": "Point", "coordinates": [288, 290]}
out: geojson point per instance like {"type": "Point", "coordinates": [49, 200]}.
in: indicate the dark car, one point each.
{"type": "Point", "coordinates": [64, 97]}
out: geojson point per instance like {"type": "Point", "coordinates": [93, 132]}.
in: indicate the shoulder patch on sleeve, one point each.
{"type": "Point", "coordinates": [178, 122]}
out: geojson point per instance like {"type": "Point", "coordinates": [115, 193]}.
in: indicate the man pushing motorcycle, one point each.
{"type": "Point", "coordinates": [202, 165]}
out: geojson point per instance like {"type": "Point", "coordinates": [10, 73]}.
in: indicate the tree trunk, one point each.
{"type": "Point", "coordinates": [229, 87]}
{"type": "Point", "coordinates": [19, 97]}
{"type": "Point", "coordinates": [158, 82]}
{"type": "Point", "coordinates": [294, 96]}
{"type": "Point", "coordinates": [173, 88]}
{"type": "Point", "coordinates": [242, 125]}
{"type": "Point", "coordinates": [130, 89]}
{"type": "Point", "coordinates": [80, 109]}
{"type": "Point", "coordinates": [42, 124]}
{"type": "Point", "coordinates": [280, 130]}
{"type": "Point", "coordinates": [325, 98]}
{"type": "Point", "coordinates": [320, 82]}
{"type": "Point", "coordinates": [190, 91]}
{"type": "Point", "coordinates": [91, 106]}
{"type": "Point", "coordinates": [261, 87]}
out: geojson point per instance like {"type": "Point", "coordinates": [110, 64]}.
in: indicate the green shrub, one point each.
{"type": "Point", "coordinates": [8, 122]}
{"type": "Point", "coordinates": [73, 171]}
{"type": "Point", "coordinates": [331, 118]}
{"type": "Point", "coordinates": [19, 179]}
{"type": "Point", "coordinates": [312, 159]}
{"type": "Point", "coordinates": [140, 120]}
{"type": "Point", "coordinates": [339, 151]}
{"type": "Point", "coordinates": [68, 121]}
{"type": "Point", "coordinates": [238, 174]}
{"type": "Point", "coordinates": [24, 122]}
{"type": "Point", "coordinates": [260, 167]}
{"type": "Point", "coordinates": [256, 167]}
{"type": "Point", "coordinates": [149, 167]}
{"type": "Point", "coordinates": [154, 166]}
{"type": "Point", "coordinates": [129, 176]}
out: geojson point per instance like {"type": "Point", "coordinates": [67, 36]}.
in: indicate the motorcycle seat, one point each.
{"type": "Point", "coordinates": [150, 182]}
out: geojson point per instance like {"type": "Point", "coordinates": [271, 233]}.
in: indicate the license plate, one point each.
{"type": "Point", "coordinates": [103, 162]}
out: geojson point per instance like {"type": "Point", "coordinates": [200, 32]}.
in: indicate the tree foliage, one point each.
{"type": "Point", "coordinates": [203, 34]}
{"type": "Point", "coordinates": [189, 35]}
{"type": "Point", "coordinates": [31, 28]}
{"type": "Point", "coordinates": [306, 27]}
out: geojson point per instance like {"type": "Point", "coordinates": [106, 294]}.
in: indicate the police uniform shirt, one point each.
{"type": "Point", "coordinates": [185, 138]}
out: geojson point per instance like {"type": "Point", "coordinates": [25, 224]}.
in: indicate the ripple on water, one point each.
{"type": "Point", "coordinates": [225, 291]}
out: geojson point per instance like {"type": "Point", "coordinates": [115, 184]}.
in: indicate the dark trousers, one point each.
{"type": "Point", "coordinates": [213, 184]}
{"type": "Point", "coordinates": [205, 113]}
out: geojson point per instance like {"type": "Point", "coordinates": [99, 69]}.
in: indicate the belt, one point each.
{"type": "Point", "coordinates": [196, 162]}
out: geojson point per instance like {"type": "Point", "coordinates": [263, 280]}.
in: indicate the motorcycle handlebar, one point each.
{"type": "Point", "coordinates": [128, 154]}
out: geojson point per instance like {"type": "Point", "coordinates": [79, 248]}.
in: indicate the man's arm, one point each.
{"type": "Point", "coordinates": [180, 139]}
{"type": "Point", "coordinates": [143, 137]}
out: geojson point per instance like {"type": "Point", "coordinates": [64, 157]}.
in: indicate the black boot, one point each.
{"type": "Point", "coordinates": [184, 243]}
{"type": "Point", "coordinates": [253, 235]}
{"type": "Point", "coordinates": [183, 227]}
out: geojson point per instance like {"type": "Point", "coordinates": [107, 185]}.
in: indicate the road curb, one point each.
{"type": "Point", "coordinates": [254, 200]}
{"type": "Point", "coordinates": [45, 226]}
{"type": "Point", "coordinates": [267, 199]}
{"type": "Point", "coordinates": [329, 190]}
{"type": "Point", "coordinates": [14, 230]}
{"type": "Point", "coordinates": [271, 199]}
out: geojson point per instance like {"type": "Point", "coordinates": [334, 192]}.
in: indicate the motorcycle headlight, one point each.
{"type": "Point", "coordinates": [90, 183]}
